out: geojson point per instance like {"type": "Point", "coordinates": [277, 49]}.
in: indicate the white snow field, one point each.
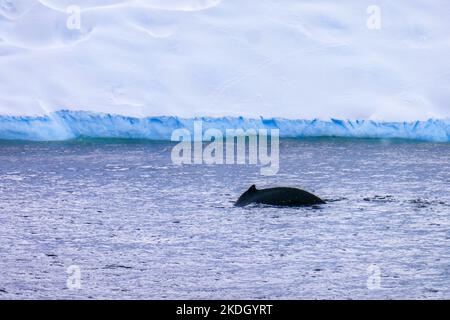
{"type": "Point", "coordinates": [379, 61]}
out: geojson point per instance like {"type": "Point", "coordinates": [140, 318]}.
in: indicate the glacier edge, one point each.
{"type": "Point", "coordinates": [66, 125]}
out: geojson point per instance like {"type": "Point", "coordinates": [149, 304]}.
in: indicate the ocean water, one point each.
{"type": "Point", "coordinates": [138, 226]}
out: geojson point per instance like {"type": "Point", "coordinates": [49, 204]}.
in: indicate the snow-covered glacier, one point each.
{"type": "Point", "coordinates": [140, 68]}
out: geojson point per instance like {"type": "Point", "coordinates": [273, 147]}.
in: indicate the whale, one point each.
{"type": "Point", "coordinates": [280, 196]}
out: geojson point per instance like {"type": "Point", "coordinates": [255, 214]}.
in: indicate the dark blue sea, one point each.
{"type": "Point", "coordinates": [136, 226]}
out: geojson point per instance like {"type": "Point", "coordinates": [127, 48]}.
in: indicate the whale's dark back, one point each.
{"type": "Point", "coordinates": [278, 197]}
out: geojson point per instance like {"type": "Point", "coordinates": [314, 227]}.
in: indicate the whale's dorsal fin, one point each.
{"type": "Point", "coordinates": [252, 188]}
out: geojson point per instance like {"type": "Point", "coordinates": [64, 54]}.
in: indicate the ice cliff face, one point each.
{"type": "Point", "coordinates": [64, 125]}
{"type": "Point", "coordinates": [187, 58]}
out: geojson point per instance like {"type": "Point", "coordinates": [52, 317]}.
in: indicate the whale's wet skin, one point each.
{"type": "Point", "coordinates": [139, 227]}
{"type": "Point", "coordinates": [278, 196]}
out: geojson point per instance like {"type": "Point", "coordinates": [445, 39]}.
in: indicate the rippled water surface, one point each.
{"type": "Point", "coordinates": [138, 226]}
